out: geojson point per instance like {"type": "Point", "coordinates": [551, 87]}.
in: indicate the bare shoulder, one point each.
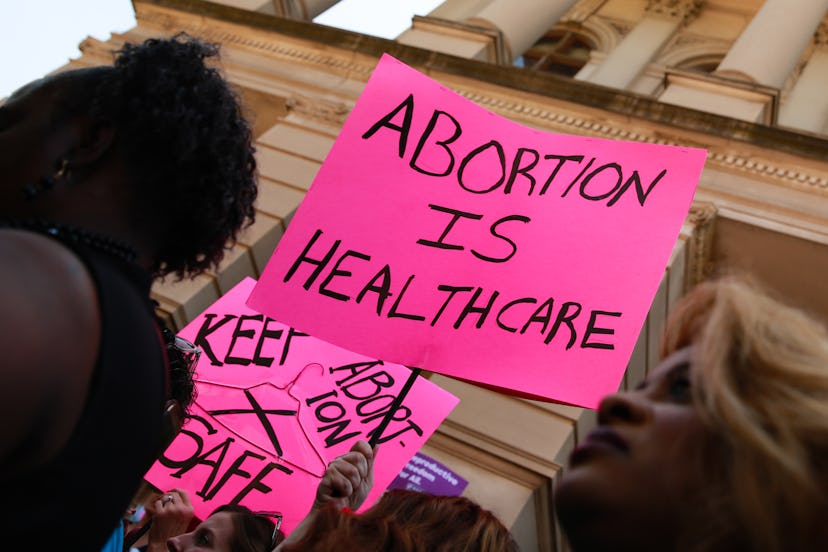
{"type": "Point", "coordinates": [49, 334]}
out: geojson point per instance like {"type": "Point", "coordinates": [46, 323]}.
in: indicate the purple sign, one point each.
{"type": "Point", "coordinates": [427, 475]}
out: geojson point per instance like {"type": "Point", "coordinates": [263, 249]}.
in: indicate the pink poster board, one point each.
{"type": "Point", "coordinates": [275, 406]}
{"type": "Point", "coordinates": [440, 235]}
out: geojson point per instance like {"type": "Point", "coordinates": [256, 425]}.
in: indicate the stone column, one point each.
{"type": "Point", "coordinates": [770, 47]}
{"type": "Point", "coordinates": [806, 107]}
{"type": "Point", "coordinates": [497, 31]}
{"type": "Point", "coordinates": [763, 57]}
{"type": "Point", "coordinates": [458, 10]}
{"type": "Point", "coordinates": [626, 62]}
{"type": "Point", "coordinates": [522, 22]}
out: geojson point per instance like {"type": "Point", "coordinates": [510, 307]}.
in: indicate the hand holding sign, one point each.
{"type": "Point", "coordinates": [348, 479]}
{"type": "Point", "coordinates": [171, 515]}
{"type": "Point", "coordinates": [346, 484]}
{"type": "Point", "coordinates": [276, 406]}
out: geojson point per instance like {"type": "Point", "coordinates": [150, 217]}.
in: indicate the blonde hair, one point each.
{"type": "Point", "coordinates": [760, 381]}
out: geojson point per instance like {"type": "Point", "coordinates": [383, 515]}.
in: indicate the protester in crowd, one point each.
{"type": "Point", "coordinates": [109, 176]}
{"type": "Point", "coordinates": [406, 521]}
{"type": "Point", "coordinates": [230, 528]}
{"type": "Point", "coordinates": [346, 483]}
{"type": "Point", "coordinates": [723, 447]}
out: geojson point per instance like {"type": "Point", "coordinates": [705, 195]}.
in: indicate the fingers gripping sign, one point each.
{"type": "Point", "coordinates": [348, 478]}
{"type": "Point", "coordinates": [171, 514]}
{"type": "Point", "coordinates": [346, 484]}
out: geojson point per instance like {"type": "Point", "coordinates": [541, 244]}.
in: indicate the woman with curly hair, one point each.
{"type": "Point", "coordinates": [405, 521]}
{"type": "Point", "coordinates": [723, 447]}
{"type": "Point", "coordinates": [109, 177]}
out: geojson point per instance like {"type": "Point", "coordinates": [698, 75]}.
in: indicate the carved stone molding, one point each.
{"type": "Point", "coordinates": [700, 244]}
{"type": "Point", "coordinates": [582, 11]}
{"type": "Point", "coordinates": [165, 19]}
{"type": "Point", "coordinates": [231, 34]}
{"type": "Point", "coordinates": [821, 36]}
{"type": "Point", "coordinates": [622, 28]}
{"type": "Point", "coordinates": [686, 39]}
{"type": "Point", "coordinates": [687, 46]}
{"type": "Point", "coordinates": [683, 10]}
{"type": "Point", "coordinates": [96, 51]}
{"type": "Point", "coordinates": [604, 34]}
{"type": "Point", "coordinates": [575, 124]}
{"type": "Point", "coordinates": [768, 168]}
{"type": "Point", "coordinates": [332, 113]}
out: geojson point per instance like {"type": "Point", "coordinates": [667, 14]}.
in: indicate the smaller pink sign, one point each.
{"type": "Point", "coordinates": [275, 406]}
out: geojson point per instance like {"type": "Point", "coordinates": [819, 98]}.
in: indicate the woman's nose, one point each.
{"type": "Point", "coordinates": [176, 544]}
{"type": "Point", "coordinates": [623, 408]}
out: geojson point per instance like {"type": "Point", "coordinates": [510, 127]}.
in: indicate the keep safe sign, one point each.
{"type": "Point", "coordinates": [440, 235]}
{"type": "Point", "coordinates": [274, 406]}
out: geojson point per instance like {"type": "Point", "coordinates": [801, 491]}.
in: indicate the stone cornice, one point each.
{"type": "Point", "coordinates": [544, 84]}
{"type": "Point", "coordinates": [337, 57]}
{"type": "Point", "coordinates": [570, 123]}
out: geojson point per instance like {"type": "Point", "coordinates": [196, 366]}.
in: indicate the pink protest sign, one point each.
{"type": "Point", "coordinates": [440, 235]}
{"type": "Point", "coordinates": [275, 406]}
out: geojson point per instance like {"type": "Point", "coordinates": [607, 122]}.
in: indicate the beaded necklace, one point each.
{"type": "Point", "coordinates": [77, 236]}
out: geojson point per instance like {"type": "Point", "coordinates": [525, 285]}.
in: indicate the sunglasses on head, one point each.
{"type": "Point", "coordinates": [276, 519]}
{"type": "Point", "coordinates": [181, 350]}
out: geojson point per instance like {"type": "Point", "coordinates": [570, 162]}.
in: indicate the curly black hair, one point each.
{"type": "Point", "coordinates": [186, 143]}
{"type": "Point", "coordinates": [182, 357]}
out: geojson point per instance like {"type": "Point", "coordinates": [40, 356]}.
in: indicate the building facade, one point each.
{"type": "Point", "coordinates": [744, 79]}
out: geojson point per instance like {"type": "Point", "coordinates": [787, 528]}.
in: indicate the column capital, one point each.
{"type": "Point", "coordinates": [674, 9]}
{"type": "Point", "coordinates": [821, 36]}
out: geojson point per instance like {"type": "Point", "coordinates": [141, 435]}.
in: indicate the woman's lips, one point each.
{"type": "Point", "coordinates": [600, 440]}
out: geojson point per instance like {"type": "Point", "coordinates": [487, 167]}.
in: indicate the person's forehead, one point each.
{"type": "Point", "coordinates": [220, 520]}
{"type": "Point", "coordinates": [220, 525]}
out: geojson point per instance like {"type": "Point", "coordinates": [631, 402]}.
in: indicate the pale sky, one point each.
{"type": "Point", "coordinates": [39, 36]}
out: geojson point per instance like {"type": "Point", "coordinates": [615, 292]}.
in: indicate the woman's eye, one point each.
{"type": "Point", "coordinates": [680, 387]}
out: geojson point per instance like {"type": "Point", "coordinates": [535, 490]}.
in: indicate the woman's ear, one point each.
{"type": "Point", "coordinates": [94, 139]}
